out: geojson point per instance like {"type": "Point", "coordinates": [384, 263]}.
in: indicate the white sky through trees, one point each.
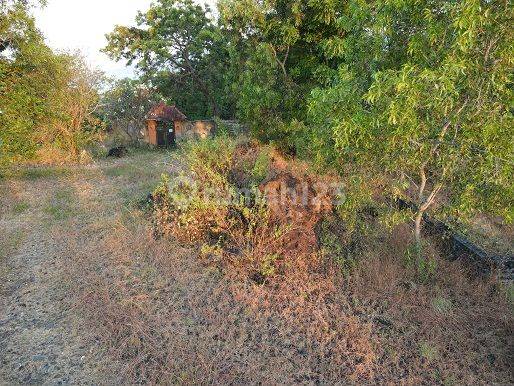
{"type": "Point", "coordinates": [82, 24]}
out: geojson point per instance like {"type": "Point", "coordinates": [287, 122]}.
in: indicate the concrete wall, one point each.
{"type": "Point", "coordinates": [151, 132]}
{"type": "Point", "coordinates": [195, 129]}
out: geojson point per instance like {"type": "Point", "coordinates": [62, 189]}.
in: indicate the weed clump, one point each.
{"type": "Point", "coordinates": [204, 205]}
{"type": "Point", "coordinates": [232, 202]}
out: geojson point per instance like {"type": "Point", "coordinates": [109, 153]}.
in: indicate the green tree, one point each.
{"type": "Point", "coordinates": [125, 105]}
{"type": "Point", "coordinates": [434, 109]}
{"type": "Point", "coordinates": [27, 69]}
{"type": "Point", "coordinates": [47, 101]}
{"type": "Point", "coordinates": [176, 47]}
{"type": "Point", "coordinates": [76, 102]}
{"type": "Point", "coordinates": [284, 49]}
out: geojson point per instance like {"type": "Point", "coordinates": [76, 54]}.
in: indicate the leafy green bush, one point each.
{"type": "Point", "coordinates": [337, 244]}
{"type": "Point", "coordinates": [428, 351]}
{"type": "Point", "coordinates": [204, 207]}
{"type": "Point", "coordinates": [47, 99]}
{"type": "Point", "coordinates": [210, 160]}
{"type": "Point", "coordinates": [261, 167]}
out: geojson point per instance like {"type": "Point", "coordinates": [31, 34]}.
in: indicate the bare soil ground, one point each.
{"type": "Point", "coordinates": [42, 337]}
{"type": "Point", "coordinates": [88, 296]}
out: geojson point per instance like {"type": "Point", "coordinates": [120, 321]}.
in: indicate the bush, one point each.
{"type": "Point", "coordinates": [217, 205]}
{"type": "Point", "coordinates": [261, 167]}
{"type": "Point", "coordinates": [339, 244]}
{"type": "Point", "coordinates": [203, 205]}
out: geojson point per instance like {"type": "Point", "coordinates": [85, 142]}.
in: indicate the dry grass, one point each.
{"type": "Point", "coordinates": [163, 312]}
{"type": "Point", "coordinates": [453, 329]}
{"type": "Point", "coordinates": [166, 317]}
{"type": "Point", "coordinates": [378, 320]}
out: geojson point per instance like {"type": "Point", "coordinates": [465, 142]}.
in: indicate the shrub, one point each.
{"type": "Point", "coordinates": [211, 159]}
{"type": "Point", "coordinates": [261, 167]}
{"type": "Point", "coordinates": [428, 351]}
{"type": "Point", "coordinates": [226, 215]}
{"type": "Point", "coordinates": [337, 244]}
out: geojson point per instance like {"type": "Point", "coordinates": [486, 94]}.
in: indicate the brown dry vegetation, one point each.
{"type": "Point", "coordinates": [364, 314]}
{"type": "Point", "coordinates": [189, 309]}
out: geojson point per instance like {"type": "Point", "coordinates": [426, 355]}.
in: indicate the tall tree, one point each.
{"type": "Point", "coordinates": [285, 49]}
{"type": "Point", "coordinates": [125, 105]}
{"type": "Point", "coordinates": [175, 43]}
{"type": "Point", "coordinates": [27, 69]}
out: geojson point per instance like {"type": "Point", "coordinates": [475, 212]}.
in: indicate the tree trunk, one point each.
{"type": "Point", "coordinates": [424, 204]}
{"type": "Point", "coordinates": [417, 229]}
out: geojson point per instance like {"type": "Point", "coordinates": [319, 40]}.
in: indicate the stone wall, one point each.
{"type": "Point", "coordinates": [194, 129]}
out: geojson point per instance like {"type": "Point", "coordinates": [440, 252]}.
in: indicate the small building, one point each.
{"type": "Point", "coordinates": [167, 124]}
{"type": "Point", "coordinates": [164, 124]}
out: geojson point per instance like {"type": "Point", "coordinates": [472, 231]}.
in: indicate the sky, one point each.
{"type": "Point", "coordinates": [82, 24]}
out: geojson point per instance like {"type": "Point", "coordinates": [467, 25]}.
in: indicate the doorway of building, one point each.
{"type": "Point", "coordinates": [165, 134]}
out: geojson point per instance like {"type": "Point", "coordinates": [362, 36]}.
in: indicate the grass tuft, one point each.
{"type": "Point", "coordinates": [20, 207]}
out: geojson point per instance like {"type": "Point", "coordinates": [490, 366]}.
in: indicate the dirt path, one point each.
{"type": "Point", "coordinates": [36, 332]}
{"type": "Point", "coordinates": [41, 341]}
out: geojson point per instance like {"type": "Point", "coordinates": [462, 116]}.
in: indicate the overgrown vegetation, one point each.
{"type": "Point", "coordinates": [418, 93]}
{"type": "Point", "coordinates": [124, 107]}
{"type": "Point", "coordinates": [47, 100]}
{"type": "Point", "coordinates": [356, 281]}
{"type": "Point", "coordinates": [222, 210]}
{"type": "Point", "coordinates": [386, 102]}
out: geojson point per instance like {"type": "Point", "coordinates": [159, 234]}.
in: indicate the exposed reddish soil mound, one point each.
{"type": "Point", "coordinates": [299, 203]}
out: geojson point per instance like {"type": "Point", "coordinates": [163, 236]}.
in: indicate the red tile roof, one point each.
{"type": "Point", "coordinates": [163, 112]}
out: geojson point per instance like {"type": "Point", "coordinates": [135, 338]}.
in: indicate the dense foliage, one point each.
{"type": "Point", "coordinates": [419, 92]}
{"type": "Point", "coordinates": [416, 92]}
{"type": "Point", "coordinates": [433, 107]}
{"type": "Point", "coordinates": [177, 49]}
{"type": "Point", "coordinates": [47, 100]}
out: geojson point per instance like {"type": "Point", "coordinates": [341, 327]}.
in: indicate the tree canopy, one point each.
{"type": "Point", "coordinates": [434, 109]}
{"type": "Point", "coordinates": [419, 91]}
{"type": "Point", "coordinates": [177, 49]}
{"type": "Point", "coordinates": [47, 100]}
{"type": "Point", "coordinates": [125, 104]}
